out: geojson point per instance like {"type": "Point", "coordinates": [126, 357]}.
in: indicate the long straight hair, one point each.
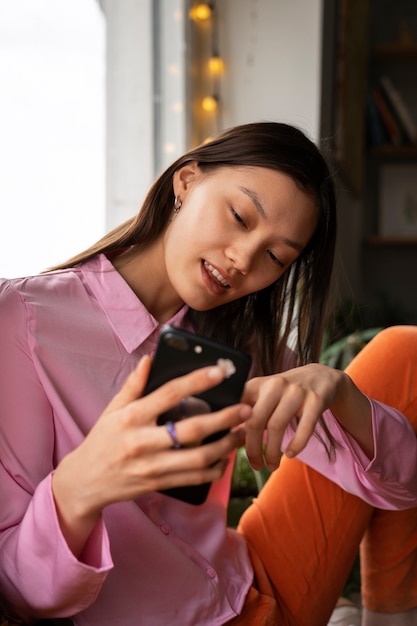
{"type": "Point", "coordinates": [295, 304]}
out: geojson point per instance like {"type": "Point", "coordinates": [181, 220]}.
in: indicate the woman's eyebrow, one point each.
{"type": "Point", "coordinates": [256, 201]}
{"type": "Point", "coordinates": [258, 205]}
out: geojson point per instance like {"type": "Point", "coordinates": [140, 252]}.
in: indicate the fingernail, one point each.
{"type": "Point", "coordinates": [272, 466]}
{"type": "Point", "coordinates": [215, 372]}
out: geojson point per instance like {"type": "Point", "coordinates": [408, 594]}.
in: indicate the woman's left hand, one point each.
{"type": "Point", "coordinates": [304, 393]}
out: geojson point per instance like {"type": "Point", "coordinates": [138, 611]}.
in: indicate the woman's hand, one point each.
{"type": "Point", "coordinates": [126, 454]}
{"type": "Point", "coordinates": [305, 393]}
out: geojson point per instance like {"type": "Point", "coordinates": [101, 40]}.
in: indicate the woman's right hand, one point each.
{"type": "Point", "coordinates": [126, 454]}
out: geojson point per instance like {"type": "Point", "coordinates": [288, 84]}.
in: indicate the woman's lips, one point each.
{"type": "Point", "coordinates": [215, 280]}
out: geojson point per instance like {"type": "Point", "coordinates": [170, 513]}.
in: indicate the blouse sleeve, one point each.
{"type": "Point", "coordinates": [39, 576]}
{"type": "Point", "coordinates": [389, 479]}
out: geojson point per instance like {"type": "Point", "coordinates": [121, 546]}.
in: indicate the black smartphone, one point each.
{"type": "Point", "coordinates": [180, 352]}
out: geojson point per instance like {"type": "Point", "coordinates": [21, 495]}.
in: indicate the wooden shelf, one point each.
{"type": "Point", "coordinates": [405, 151]}
{"type": "Point", "coordinates": [379, 240]}
{"type": "Point", "coordinates": [396, 52]}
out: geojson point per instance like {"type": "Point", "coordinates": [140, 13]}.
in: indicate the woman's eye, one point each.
{"type": "Point", "coordinates": [238, 218]}
{"type": "Point", "coordinates": [275, 259]}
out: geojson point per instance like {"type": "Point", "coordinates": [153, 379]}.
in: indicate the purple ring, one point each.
{"type": "Point", "coordinates": [172, 432]}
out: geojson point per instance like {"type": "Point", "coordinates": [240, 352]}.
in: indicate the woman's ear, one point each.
{"type": "Point", "coordinates": [184, 177]}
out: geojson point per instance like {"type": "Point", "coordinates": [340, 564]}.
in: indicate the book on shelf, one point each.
{"type": "Point", "coordinates": [399, 108]}
{"type": "Point", "coordinates": [390, 122]}
{"type": "Point", "coordinates": [377, 134]}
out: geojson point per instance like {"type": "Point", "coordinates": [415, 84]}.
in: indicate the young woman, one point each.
{"type": "Point", "coordinates": [235, 241]}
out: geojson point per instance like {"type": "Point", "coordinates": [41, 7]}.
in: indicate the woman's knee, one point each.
{"type": "Point", "coordinates": [402, 339]}
{"type": "Point", "coordinates": [386, 368]}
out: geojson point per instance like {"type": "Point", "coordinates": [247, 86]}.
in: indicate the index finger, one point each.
{"type": "Point", "coordinates": [172, 392]}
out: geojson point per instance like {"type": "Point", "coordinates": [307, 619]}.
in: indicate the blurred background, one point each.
{"type": "Point", "coordinates": [99, 96]}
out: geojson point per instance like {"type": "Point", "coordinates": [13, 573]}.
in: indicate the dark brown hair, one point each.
{"type": "Point", "coordinates": [261, 322]}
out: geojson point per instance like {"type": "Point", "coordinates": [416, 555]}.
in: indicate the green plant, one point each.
{"type": "Point", "coordinates": [340, 353]}
{"type": "Point", "coordinates": [245, 480]}
{"type": "Point", "coordinates": [246, 484]}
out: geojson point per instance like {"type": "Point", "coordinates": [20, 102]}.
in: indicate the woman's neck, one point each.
{"type": "Point", "coordinates": [144, 271]}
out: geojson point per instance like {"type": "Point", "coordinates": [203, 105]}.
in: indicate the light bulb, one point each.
{"type": "Point", "coordinates": [216, 65]}
{"type": "Point", "coordinates": [200, 12]}
{"type": "Point", "coordinates": [209, 104]}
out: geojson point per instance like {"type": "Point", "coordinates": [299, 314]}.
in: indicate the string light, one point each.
{"type": "Point", "coordinates": [216, 65]}
{"type": "Point", "coordinates": [210, 104]}
{"type": "Point", "coordinates": [200, 12]}
{"type": "Point", "coordinates": [208, 69]}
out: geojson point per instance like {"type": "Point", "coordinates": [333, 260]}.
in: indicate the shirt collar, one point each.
{"type": "Point", "coordinates": [129, 318]}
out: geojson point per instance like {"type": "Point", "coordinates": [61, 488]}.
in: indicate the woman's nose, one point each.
{"type": "Point", "coordinates": [241, 258]}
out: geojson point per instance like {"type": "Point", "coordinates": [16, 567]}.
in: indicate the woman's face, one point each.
{"type": "Point", "coordinates": [238, 230]}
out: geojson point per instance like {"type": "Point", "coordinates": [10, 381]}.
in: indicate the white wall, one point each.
{"type": "Point", "coordinates": [52, 130]}
{"type": "Point", "coordinates": [272, 50]}
{"type": "Point", "coordinates": [145, 97]}
{"type": "Point", "coordinates": [172, 84]}
{"type": "Point", "coordinates": [129, 104]}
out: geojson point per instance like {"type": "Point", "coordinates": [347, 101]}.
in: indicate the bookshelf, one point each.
{"type": "Point", "coordinates": [377, 164]}
{"type": "Point", "coordinates": [377, 60]}
{"type": "Point", "coordinates": [391, 150]}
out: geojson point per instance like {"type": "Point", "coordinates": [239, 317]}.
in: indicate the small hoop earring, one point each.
{"type": "Point", "coordinates": [177, 204]}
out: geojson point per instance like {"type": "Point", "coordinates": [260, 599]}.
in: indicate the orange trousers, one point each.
{"type": "Point", "coordinates": [303, 531]}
